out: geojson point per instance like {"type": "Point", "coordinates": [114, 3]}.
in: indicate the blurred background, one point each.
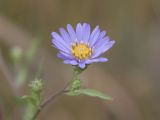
{"type": "Point", "coordinates": [131, 76]}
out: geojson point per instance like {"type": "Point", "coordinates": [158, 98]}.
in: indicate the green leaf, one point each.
{"type": "Point", "coordinates": [73, 93]}
{"type": "Point", "coordinates": [94, 93]}
{"type": "Point", "coordinates": [34, 100]}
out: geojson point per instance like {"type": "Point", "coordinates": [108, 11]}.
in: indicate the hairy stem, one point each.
{"type": "Point", "coordinates": [70, 85]}
{"type": "Point", "coordinates": [49, 99]}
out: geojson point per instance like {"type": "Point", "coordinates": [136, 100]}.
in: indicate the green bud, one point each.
{"type": "Point", "coordinates": [36, 85]}
{"type": "Point", "coordinates": [75, 85]}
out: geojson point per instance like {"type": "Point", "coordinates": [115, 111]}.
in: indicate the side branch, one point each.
{"type": "Point", "coordinates": [49, 99]}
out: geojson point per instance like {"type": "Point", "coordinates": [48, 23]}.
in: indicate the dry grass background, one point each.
{"type": "Point", "coordinates": [131, 76]}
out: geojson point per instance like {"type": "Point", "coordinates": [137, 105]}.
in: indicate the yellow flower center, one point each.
{"type": "Point", "coordinates": [81, 51]}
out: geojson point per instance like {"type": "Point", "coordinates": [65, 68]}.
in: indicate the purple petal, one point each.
{"type": "Point", "coordinates": [59, 39]}
{"type": "Point", "coordinates": [103, 33]}
{"type": "Point", "coordinates": [103, 49]}
{"type": "Point", "coordinates": [109, 45]}
{"type": "Point", "coordinates": [65, 36]}
{"type": "Point", "coordinates": [57, 36]}
{"type": "Point", "coordinates": [64, 56]}
{"type": "Point", "coordinates": [93, 32]}
{"type": "Point", "coordinates": [71, 32]}
{"type": "Point", "coordinates": [60, 46]}
{"type": "Point", "coordinates": [72, 62]}
{"type": "Point", "coordinates": [82, 65]}
{"type": "Point", "coordinates": [86, 32]}
{"type": "Point", "coordinates": [95, 38]}
{"type": "Point", "coordinates": [100, 37]}
{"type": "Point", "coordinates": [79, 32]}
{"type": "Point", "coordinates": [96, 60]}
{"type": "Point", "coordinates": [102, 42]}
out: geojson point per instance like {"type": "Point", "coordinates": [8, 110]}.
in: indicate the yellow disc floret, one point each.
{"type": "Point", "coordinates": [81, 51]}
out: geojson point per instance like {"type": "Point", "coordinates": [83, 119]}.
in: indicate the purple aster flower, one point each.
{"type": "Point", "coordinates": [81, 46]}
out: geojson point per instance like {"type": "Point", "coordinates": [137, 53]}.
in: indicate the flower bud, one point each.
{"type": "Point", "coordinates": [37, 85]}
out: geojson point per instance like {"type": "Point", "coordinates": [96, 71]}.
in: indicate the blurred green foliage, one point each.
{"type": "Point", "coordinates": [34, 100]}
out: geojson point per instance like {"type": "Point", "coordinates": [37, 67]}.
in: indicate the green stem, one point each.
{"type": "Point", "coordinates": [74, 84]}
{"type": "Point", "coordinates": [48, 100]}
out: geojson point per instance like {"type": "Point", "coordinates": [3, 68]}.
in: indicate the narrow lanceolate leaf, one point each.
{"type": "Point", "coordinates": [94, 93]}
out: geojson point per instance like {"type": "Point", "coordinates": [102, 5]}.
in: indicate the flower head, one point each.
{"type": "Point", "coordinates": [81, 46]}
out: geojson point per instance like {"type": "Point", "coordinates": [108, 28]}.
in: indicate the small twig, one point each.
{"type": "Point", "coordinates": [49, 99]}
